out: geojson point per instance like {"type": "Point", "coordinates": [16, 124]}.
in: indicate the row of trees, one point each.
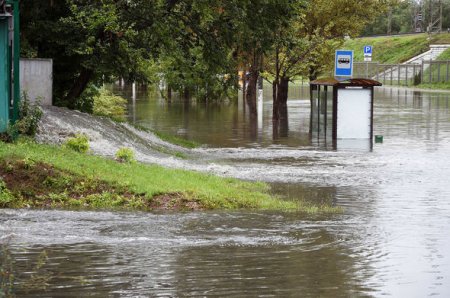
{"type": "Point", "coordinates": [195, 46]}
{"type": "Point", "coordinates": [400, 17]}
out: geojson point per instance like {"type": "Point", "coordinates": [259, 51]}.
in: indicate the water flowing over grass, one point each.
{"type": "Point", "coordinates": [105, 183]}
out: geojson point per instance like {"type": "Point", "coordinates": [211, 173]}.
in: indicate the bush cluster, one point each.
{"type": "Point", "coordinates": [79, 143]}
{"type": "Point", "coordinates": [125, 155]}
{"type": "Point", "coordinates": [109, 105]}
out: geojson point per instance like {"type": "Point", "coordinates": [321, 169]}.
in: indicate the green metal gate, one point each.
{"type": "Point", "coordinates": [4, 74]}
{"type": "Point", "coordinates": [9, 62]}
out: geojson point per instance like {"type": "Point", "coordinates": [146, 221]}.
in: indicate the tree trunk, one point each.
{"type": "Point", "coordinates": [276, 102]}
{"type": "Point", "coordinates": [244, 82]}
{"type": "Point", "coordinates": [186, 94]}
{"type": "Point", "coordinates": [169, 94]}
{"type": "Point", "coordinates": [78, 87]}
{"type": "Point", "coordinates": [251, 92]}
{"type": "Point", "coordinates": [282, 95]}
{"type": "Point", "coordinates": [312, 73]}
{"type": "Point", "coordinates": [280, 90]}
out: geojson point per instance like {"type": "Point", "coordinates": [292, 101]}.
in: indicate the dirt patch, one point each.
{"type": "Point", "coordinates": [40, 185]}
{"type": "Point", "coordinates": [174, 201]}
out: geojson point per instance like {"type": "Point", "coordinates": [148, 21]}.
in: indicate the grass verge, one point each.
{"type": "Point", "coordinates": [37, 175]}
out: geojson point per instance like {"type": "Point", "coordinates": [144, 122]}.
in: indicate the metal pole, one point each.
{"type": "Point", "coordinates": [406, 75]}
{"type": "Point", "coordinates": [439, 70]}
{"type": "Point", "coordinates": [367, 69]}
{"type": "Point", "coordinates": [326, 111]}
{"type": "Point", "coordinates": [431, 68]}
{"type": "Point", "coordinates": [384, 75]}
{"type": "Point", "coordinates": [392, 70]}
{"type": "Point", "coordinates": [421, 71]}
{"type": "Point", "coordinates": [16, 60]}
{"type": "Point", "coordinates": [376, 70]}
{"type": "Point", "coordinates": [448, 64]}
{"type": "Point", "coordinates": [398, 72]}
{"type": "Point", "coordinates": [318, 110]}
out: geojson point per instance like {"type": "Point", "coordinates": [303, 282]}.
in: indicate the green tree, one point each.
{"type": "Point", "coordinates": [305, 46]}
{"type": "Point", "coordinates": [90, 41]}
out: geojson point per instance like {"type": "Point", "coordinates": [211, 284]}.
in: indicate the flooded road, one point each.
{"type": "Point", "coordinates": [392, 240]}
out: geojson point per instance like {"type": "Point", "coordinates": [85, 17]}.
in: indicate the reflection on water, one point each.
{"type": "Point", "coordinates": [392, 239]}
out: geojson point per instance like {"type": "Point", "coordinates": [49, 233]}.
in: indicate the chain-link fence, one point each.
{"type": "Point", "coordinates": [404, 74]}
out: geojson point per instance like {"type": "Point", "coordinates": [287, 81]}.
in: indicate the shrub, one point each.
{"type": "Point", "coordinates": [79, 143]}
{"type": "Point", "coordinates": [5, 195]}
{"type": "Point", "coordinates": [109, 105]}
{"type": "Point", "coordinates": [29, 117]}
{"type": "Point", "coordinates": [417, 79]}
{"type": "Point", "coordinates": [125, 155]}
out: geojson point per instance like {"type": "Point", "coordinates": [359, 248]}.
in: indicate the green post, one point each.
{"type": "Point", "coordinates": [9, 69]}
{"type": "Point", "coordinates": [16, 60]}
{"type": "Point", "coordinates": [4, 75]}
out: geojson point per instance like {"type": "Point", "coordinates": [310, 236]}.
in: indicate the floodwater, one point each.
{"type": "Point", "coordinates": [393, 238]}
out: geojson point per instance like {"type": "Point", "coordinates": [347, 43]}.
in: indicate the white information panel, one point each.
{"type": "Point", "coordinates": [353, 115]}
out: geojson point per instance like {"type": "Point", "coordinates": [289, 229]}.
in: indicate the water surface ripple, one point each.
{"type": "Point", "coordinates": [392, 240]}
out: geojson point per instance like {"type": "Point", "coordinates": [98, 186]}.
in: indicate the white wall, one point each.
{"type": "Point", "coordinates": [353, 119]}
{"type": "Point", "coordinates": [36, 79]}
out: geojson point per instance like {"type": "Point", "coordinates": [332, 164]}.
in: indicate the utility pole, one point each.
{"type": "Point", "coordinates": [389, 24]}
{"type": "Point", "coordinates": [435, 16]}
{"type": "Point", "coordinates": [418, 17]}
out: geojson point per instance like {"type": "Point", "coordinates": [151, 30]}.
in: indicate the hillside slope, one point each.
{"type": "Point", "coordinates": [395, 49]}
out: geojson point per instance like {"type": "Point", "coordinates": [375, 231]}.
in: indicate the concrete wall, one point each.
{"type": "Point", "coordinates": [36, 79]}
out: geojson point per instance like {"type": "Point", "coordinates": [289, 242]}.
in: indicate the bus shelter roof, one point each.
{"type": "Point", "coordinates": [345, 83]}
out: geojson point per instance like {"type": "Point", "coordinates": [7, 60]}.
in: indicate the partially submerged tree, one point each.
{"type": "Point", "coordinates": [306, 45]}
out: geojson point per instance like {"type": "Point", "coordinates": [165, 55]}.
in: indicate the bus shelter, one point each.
{"type": "Point", "coordinates": [342, 109]}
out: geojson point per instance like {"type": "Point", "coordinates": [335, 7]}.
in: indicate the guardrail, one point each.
{"type": "Point", "coordinates": [404, 74]}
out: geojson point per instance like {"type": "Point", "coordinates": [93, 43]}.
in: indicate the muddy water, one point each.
{"type": "Point", "coordinates": [392, 240]}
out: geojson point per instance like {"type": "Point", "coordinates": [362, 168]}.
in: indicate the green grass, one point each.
{"type": "Point", "coordinates": [395, 49]}
{"type": "Point", "coordinates": [443, 38]}
{"type": "Point", "coordinates": [434, 71]}
{"type": "Point", "coordinates": [389, 50]}
{"type": "Point", "coordinates": [210, 191]}
{"type": "Point", "coordinates": [398, 49]}
{"type": "Point", "coordinates": [442, 86]}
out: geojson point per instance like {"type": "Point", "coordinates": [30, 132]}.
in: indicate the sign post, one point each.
{"type": "Point", "coordinates": [343, 66]}
{"type": "Point", "coordinates": [367, 58]}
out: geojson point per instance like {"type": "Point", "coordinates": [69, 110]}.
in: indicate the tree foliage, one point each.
{"type": "Point", "coordinates": [305, 45]}
{"type": "Point", "coordinates": [195, 46]}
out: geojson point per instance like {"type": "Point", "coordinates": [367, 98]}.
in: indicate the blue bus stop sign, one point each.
{"type": "Point", "coordinates": [343, 66]}
{"type": "Point", "coordinates": [367, 51]}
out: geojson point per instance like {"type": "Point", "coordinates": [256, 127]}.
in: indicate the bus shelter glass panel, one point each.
{"type": "Point", "coordinates": [322, 112]}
